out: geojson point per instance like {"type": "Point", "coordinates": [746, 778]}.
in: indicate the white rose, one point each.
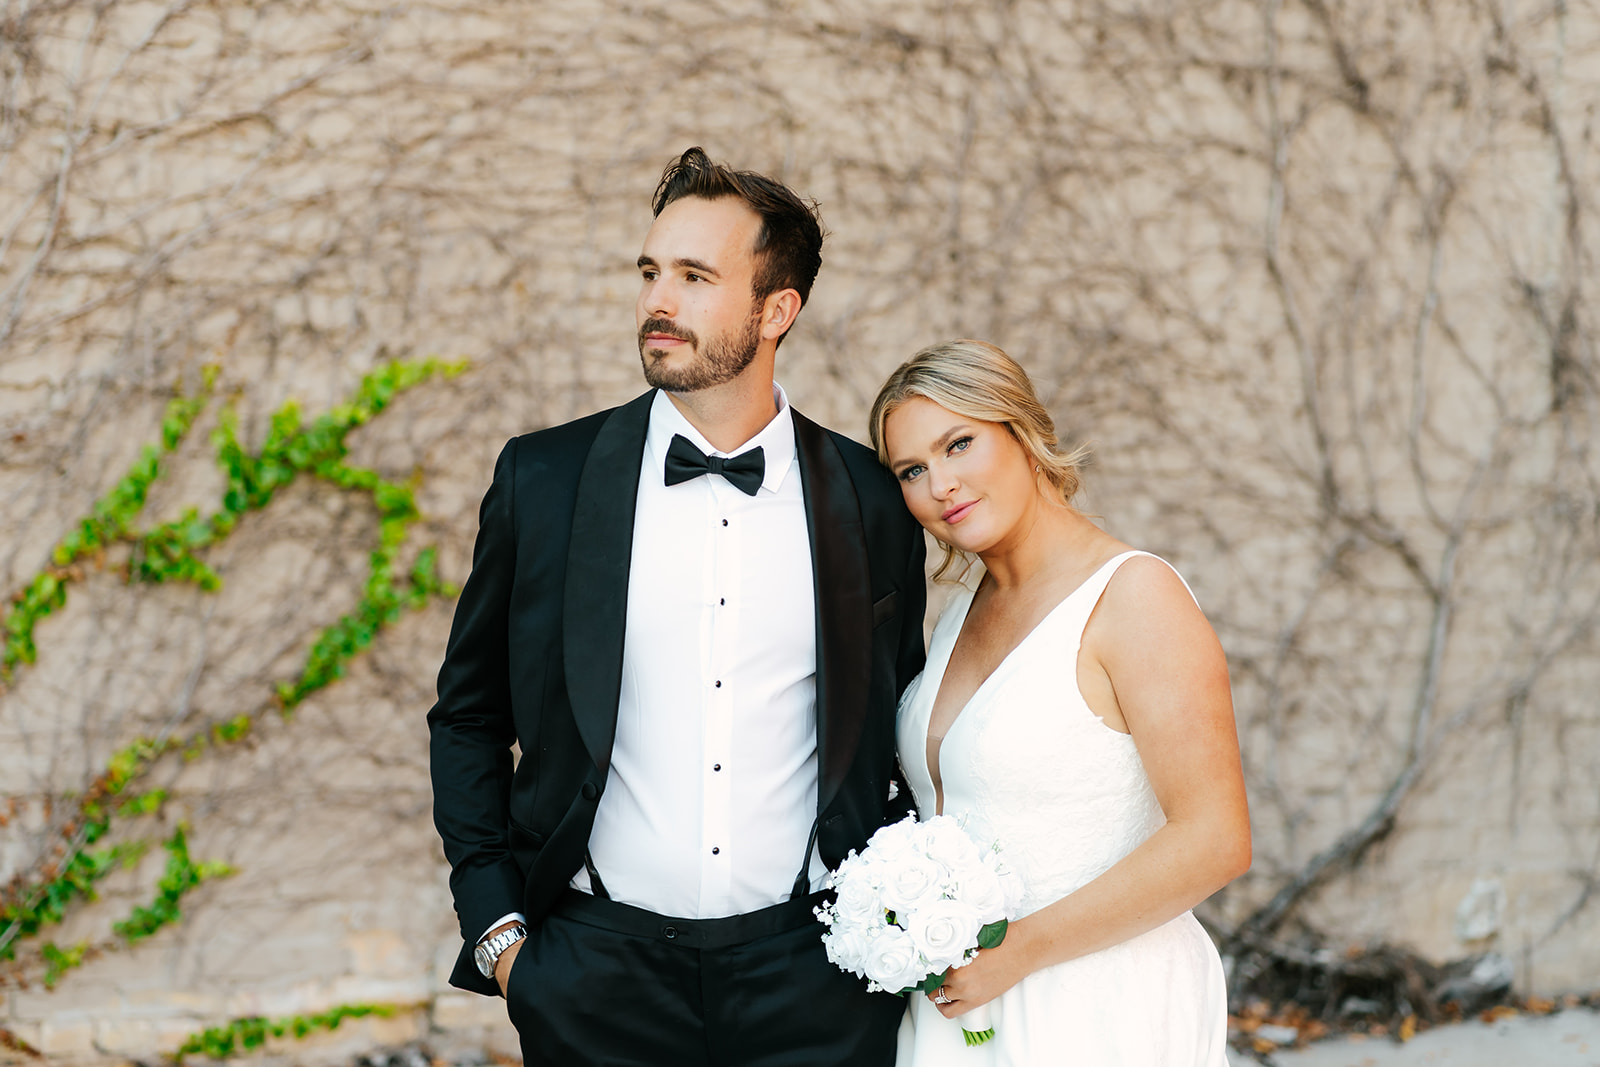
{"type": "Point", "coordinates": [912, 882]}
{"type": "Point", "coordinates": [943, 931]}
{"type": "Point", "coordinates": [858, 904]}
{"type": "Point", "coordinates": [980, 889]}
{"type": "Point", "coordinates": [892, 961]}
{"type": "Point", "coordinates": [948, 844]}
{"type": "Point", "coordinates": [847, 949]}
{"type": "Point", "coordinates": [847, 869]}
{"type": "Point", "coordinates": [892, 842]}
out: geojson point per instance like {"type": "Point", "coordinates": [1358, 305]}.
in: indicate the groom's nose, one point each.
{"type": "Point", "coordinates": [657, 299]}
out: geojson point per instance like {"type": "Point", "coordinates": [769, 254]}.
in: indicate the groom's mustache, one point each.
{"type": "Point", "coordinates": [668, 328]}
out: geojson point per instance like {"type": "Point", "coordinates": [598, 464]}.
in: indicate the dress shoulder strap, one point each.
{"type": "Point", "coordinates": [1093, 588]}
{"type": "Point", "coordinates": [1120, 560]}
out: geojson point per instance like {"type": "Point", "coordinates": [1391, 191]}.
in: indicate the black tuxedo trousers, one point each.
{"type": "Point", "coordinates": [535, 661]}
{"type": "Point", "coordinates": [603, 983]}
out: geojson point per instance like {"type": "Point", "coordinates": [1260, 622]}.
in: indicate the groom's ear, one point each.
{"type": "Point", "coordinates": [778, 312]}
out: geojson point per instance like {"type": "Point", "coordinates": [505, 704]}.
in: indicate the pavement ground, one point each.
{"type": "Point", "coordinates": [1569, 1038]}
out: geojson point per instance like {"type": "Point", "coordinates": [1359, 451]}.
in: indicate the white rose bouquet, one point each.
{"type": "Point", "coordinates": [920, 899]}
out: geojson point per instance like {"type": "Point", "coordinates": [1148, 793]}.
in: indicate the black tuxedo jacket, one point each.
{"type": "Point", "coordinates": [535, 657]}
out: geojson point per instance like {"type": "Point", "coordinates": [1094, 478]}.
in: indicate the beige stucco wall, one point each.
{"type": "Point", "coordinates": [1316, 294]}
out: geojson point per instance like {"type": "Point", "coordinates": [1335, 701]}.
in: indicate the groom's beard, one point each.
{"type": "Point", "coordinates": [722, 358]}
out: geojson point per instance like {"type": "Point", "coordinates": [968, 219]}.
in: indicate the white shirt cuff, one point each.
{"type": "Point", "coordinates": [515, 916]}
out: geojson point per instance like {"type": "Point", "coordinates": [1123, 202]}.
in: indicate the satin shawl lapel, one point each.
{"type": "Point", "coordinates": [595, 605]}
{"type": "Point", "coordinates": [844, 604]}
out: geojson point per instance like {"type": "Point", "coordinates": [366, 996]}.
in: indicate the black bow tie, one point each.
{"type": "Point", "coordinates": [744, 471]}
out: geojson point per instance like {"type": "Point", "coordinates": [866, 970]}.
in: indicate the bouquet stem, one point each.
{"type": "Point", "coordinates": [975, 1026]}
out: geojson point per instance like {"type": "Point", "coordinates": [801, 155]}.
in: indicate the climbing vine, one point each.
{"type": "Point", "coordinates": [110, 520]}
{"type": "Point", "coordinates": [251, 1032]}
{"type": "Point", "coordinates": [173, 551]}
{"type": "Point", "coordinates": [182, 874]}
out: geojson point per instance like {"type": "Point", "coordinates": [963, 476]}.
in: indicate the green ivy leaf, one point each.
{"type": "Point", "coordinates": [59, 961]}
{"type": "Point", "coordinates": [142, 803]}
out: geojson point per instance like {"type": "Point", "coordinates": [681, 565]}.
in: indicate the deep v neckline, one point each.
{"type": "Point", "coordinates": [931, 761]}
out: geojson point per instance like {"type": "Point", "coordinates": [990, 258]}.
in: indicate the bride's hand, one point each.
{"type": "Point", "coordinates": [991, 972]}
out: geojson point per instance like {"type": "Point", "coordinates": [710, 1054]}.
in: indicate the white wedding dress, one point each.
{"type": "Point", "coordinates": [1027, 765]}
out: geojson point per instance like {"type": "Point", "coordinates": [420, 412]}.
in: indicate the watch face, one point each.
{"type": "Point", "coordinates": [484, 960]}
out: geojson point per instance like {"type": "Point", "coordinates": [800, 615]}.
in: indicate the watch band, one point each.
{"type": "Point", "coordinates": [487, 954]}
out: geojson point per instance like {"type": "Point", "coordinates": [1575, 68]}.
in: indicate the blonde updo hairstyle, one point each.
{"type": "Point", "coordinates": [979, 381]}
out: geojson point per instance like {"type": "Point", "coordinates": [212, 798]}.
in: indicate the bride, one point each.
{"type": "Point", "coordinates": [1075, 711]}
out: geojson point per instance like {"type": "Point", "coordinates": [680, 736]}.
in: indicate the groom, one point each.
{"type": "Point", "coordinates": [694, 614]}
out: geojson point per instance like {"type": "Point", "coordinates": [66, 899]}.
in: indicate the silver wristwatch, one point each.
{"type": "Point", "coordinates": [488, 951]}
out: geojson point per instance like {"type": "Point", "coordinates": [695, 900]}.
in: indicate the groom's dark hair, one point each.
{"type": "Point", "coordinates": [788, 249]}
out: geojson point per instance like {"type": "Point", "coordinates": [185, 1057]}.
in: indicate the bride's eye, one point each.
{"type": "Point", "coordinates": [910, 473]}
{"type": "Point", "coordinates": [959, 444]}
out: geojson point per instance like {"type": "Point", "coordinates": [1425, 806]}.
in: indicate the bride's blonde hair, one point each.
{"type": "Point", "coordinates": [979, 381]}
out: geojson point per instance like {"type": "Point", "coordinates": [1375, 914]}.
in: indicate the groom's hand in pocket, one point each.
{"type": "Point", "coordinates": [502, 966]}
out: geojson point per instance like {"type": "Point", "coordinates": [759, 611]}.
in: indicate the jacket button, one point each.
{"type": "Point", "coordinates": [589, 791]}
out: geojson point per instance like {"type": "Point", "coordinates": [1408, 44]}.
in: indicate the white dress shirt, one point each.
{"type": "Point", "coordinates": [712, 789]}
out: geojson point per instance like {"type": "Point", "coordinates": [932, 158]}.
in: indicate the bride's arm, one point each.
{"type": "Point", "coordinates": [1170, 683]}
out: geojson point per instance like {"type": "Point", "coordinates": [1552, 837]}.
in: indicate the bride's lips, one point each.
{"type": "Point", "coordinates": [959, 512]}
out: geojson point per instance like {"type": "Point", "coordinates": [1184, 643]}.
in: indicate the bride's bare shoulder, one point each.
{"type": "Point", "coordinates": [1145, 577]}
{"type": "Point", "coordinates": [1147, 599]}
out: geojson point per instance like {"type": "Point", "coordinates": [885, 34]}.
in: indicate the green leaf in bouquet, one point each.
{"type": "Point", "coordinates": [930, 983]}
{"type": "Point", "coordinates": [992, 935]}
